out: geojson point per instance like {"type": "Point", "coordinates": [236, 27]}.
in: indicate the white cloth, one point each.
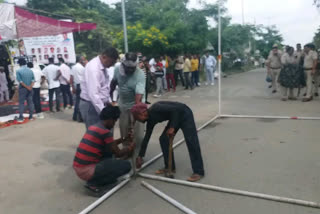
{"type": "Point", "coordinates": [37, 77]}
{"type": "Point", "coordinates": [65, 74]}
{"type": "Point", "coordinates": [152, 64]}
{"type": "Point", "coordinates": [51, 72]}
{"type": "Point", "coordinates": [210, 62]}
{"type": "Point", "coordinates": [8, 29]}
{"type": "Point", "coordinates": [77, 72]}
{"type": "Point", "coordinates": [110, 72]}
{"type": "Point", "coordinates": [3, 82]}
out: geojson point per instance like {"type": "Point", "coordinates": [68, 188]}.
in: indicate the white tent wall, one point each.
{"type": "Point", "coordinates": [8, 28]}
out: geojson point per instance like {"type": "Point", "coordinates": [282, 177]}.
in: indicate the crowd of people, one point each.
{"type": "Point", "coordinates": [293, 71]}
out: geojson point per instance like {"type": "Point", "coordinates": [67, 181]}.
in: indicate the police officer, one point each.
{"type": "Point", "coordinates": [309, 66]}
{"type": "Point", "coordinates": [274, 66]}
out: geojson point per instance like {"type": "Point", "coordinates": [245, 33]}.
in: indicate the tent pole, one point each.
{"type": "Point", "coordinates": [125, 35]}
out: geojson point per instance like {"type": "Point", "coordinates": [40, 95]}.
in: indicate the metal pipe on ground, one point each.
{"type": "Point", "coordinates": [104, 197]}
{"type": "Point", "coordinates": [269, 117]}
{"type": "Point", "coordinates": [116, 188]}
{"type": "Point", "coordinates": [176, 144]}
{"type": "Point", "coordinates": [234, 191]}
{"type": "Point", "coordinates": [167, 198]}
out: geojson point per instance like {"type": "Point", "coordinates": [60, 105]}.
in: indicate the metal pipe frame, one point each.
{"type": "Point", "coordinates": [104, 197]}
{"type": "Point", "coordinates": [167, 198]}
{"type": "Point", "coordinates": [120, 185]}
{"type": "Point", "coordinates": [234, 191]}
{"type": "Point", "coordinates": [269, 117]}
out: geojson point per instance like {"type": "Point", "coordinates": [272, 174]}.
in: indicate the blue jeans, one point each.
{"type": "Point", "coordinates": [195, 78]}
{"type": "Point", "coordinates": [25, 94]}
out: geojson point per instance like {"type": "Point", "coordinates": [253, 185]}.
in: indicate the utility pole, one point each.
{"type": "Point", "coordinates": [124, 21]}
{"type": "Point", "coordinates": [242, 6]}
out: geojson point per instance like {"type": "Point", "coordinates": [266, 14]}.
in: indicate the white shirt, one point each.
{"type": "Point", "coordinates": [152, 64]}
{"type": "Point", "coordinates": [164, 62]}
{"type": "Point", "coordinates": [77, 72]}
{"type": "Point", "coordinates": [210, 62]}
{"type": "Point", "coordinates": [51, 72]}
{"type": "Point", "coordinates": [65, 74]}
{"type": "Point", "coordinates": [95, 85]}
{"type": "Point", "coordinates": [37, 77]}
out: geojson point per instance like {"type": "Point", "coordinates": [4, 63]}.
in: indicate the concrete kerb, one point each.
{"type": "Point", "coordinates": [233, 191]}
{"type": "Point", "coordinates": [123, 183]}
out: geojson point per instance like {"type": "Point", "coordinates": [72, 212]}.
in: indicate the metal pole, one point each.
{"type": "Point", "coordinates": [176, 144]}
{"type": "Point", "coordinates": [167, 198]}
{"type": "Point", "coordinates": [269, 117]}
{"type": "Point", "coordinates": [234, 191]}
{"type": "Point", "coordinates": [219, 58]}
{"type": "Point", "coordinates": [124, 21]}
{"type": "Point", "coordinates": [242, 6]}
{"type": "Point", "coordinates": [104, 197]}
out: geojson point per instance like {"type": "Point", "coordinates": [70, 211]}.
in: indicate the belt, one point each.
{"type": "Point", "coordinates": [84, 100]}
{"type": "Point", "coordinates": [275, 68]}
{"type": "Point", "coordinates": [307, 69]}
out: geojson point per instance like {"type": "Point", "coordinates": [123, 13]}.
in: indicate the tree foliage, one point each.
{"type": "Point", "coordinates": [158, 27]}
{"type": "Point", "coordinates": [316, 38]}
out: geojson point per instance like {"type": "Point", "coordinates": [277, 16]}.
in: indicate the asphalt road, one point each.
{"type": "Point", "coordinates": [278, 157]}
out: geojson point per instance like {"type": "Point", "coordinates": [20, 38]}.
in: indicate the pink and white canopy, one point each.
{"type": "Point", "coordinates": [18, 23]}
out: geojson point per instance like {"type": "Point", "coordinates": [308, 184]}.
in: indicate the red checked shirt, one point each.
{"type": "Point", "coordinates": [94, 147]}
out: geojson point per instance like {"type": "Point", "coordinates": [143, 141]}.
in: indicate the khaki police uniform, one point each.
{"type": "Point", "coordinates": [316, 76]}
{"type": "Point", "coordinates": [274, 61]}
{"type": "Point", "coordinates": [285, 60]}
{"type": "Point", "coordinates": [309, 59]}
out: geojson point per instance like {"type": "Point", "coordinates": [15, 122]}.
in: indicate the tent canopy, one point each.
{"type": "Point", "coordinates": [16, 22]}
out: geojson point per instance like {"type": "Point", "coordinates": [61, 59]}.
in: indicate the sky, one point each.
{"type": "Point", "coordinates": [297, 20]}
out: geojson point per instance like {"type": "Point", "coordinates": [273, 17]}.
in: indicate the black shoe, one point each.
{"type": "Point", "coordinates": [316, 94]}
{"type": "Point", "coordinates": [147, 102]}
{"type": "Point", "coordinates": [274, 91]}
{"type": "Point", "coordinates": [96, 191]}
{"type": "Point", "coordinates": [270, 86]}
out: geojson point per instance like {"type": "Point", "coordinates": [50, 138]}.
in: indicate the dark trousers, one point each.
{"type": "Point", "coordinates": [170, 77]}
{"type": "Point", "coordinates": [55, 91]}
{"type": "Point", "coordinates": [187, 78]}
{"type": "Point", "coordinates": [108, 170]}
{"type": "Point", "coordinates": [76, 113]}
{"type": "Point", "coordinates": [178, 73]}
{"type": "Point", "coordinates": [25, 94]}
{"type": "Point", "coordinates": [66, 94]}
{"type": "Point", "coordinates": [147, 85]}
{"type": "Point", "coordinates": [36, 100]}
{"type": "Point", "coordinates": [195, 78]}
{"type": "Point", "coordinates": [189, 130]}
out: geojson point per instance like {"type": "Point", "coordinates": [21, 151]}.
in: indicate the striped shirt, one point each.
{"type": "Point", "coordinates": [94, 146]}
{"type": "Point", "coordinates": [25, 75]}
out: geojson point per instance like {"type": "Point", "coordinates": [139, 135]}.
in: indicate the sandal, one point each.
{"type": "Point", "coordinates": [163, 171]}
{"type": "Point", "coordinates": [194, 177]}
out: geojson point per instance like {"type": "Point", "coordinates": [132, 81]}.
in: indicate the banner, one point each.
{"type": "Point", "coordinates": [44, 47]}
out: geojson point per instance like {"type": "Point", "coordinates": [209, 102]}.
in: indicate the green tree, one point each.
{"type": "Point", "coordinates": [316, 38]}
